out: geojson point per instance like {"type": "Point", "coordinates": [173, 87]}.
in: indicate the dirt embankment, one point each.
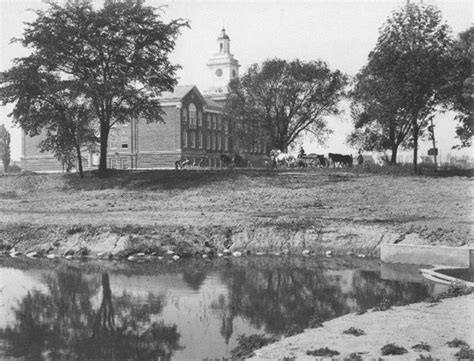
{"type": "Point", "coordinates": [255, 211]}
{"type": "Point", "coordinates": [434, 324]}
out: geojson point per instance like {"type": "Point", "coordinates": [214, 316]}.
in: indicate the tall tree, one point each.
{"type": "Point", "coordinates": [117, 56]}
{"type": "Point", "coordinates": [409, 68]}
{"type": "Point", "coordinates": [461, 86]}
{"type": "Point", "coordinates": [276, 101]}
{"type": "Point", "coordinates": [5, 147]}
{"type": "Point", "coordinates": [378, 120]}
{"type": "Point", "coordinates": [51, 106]}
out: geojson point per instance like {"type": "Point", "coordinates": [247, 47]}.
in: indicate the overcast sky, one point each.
{"type": "Point", "coordinates": [340, 32]}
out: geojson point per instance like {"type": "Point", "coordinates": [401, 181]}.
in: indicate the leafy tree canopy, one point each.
{"type": "Point", "coordinates": [461, 86]}
{"type": "Point", "coordinates": [115, 56]}
{"type": "Point", "coordinates": [402, 86]}
{"type": "Point", "coordinates": [277, 100]}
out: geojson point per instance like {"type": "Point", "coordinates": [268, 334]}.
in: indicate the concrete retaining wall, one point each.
{"type": "Point", "coordinates": [428, 255]}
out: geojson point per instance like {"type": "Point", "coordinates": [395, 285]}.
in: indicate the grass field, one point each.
{"type": "Point", "coordinates": [438, 209]}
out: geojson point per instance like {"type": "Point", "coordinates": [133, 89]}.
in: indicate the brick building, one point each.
{"type": "Point", "coordinates": [193, 129]}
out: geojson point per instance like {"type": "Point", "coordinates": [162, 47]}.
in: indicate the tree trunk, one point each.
{"type": "Point", "coordinates": [415, 148]}
{"type": "Point", "coordinates": [104, 135]}
{"type": "Point", "coordinates": [79, 160]}
{"type": "Point", "coordinates": [393, 159]}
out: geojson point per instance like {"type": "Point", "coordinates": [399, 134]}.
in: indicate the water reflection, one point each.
{"type": "Point", "coordinates": [64, 324]}
{"type": "Point", "coordinates": [191, 312]}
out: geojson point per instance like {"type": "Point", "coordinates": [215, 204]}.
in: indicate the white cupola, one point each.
{"type": "Point", "coordinates": [223, 68]}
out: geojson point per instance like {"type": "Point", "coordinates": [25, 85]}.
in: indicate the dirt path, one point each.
{"type": "Point", "coordinates": [406, 326]}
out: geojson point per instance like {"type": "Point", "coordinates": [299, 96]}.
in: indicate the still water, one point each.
{"type": "Point", "coordinates": [190, 310]}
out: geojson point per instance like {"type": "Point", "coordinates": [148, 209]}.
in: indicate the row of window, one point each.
{"type": "Point", "coordinates": [118, 163]}
{"type": "Point", "coordinates": [256, 148]}
{"type": "Point", "coordinates": [213, 121]}
{"type": "Point", "coordinates": [213, 142]}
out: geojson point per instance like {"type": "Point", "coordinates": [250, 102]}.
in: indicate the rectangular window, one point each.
{"type": "Point", "coordinates": [201, 140]}
{"type": "Point", "coordinates": [193, 140]}
{"type": "Point", "coordinates": [214, 125]}
{"type": "Point", "coordinates": [208, 119]}
{"type": "Point", "coordinates": [114, 163]}
{"type": "Point", "coordinates": [199, 118]}
{"type": "Point", "coordinates": [185, 114]}
{"type": "Point", "coordinates": [214, 142]}
{"type": "Point", "coordinates": [208, 144]}
{"type": "Point", "coordinates": [226, 144]}
{"type": "Point", "coordinates": [124, 163]}
{"type": "Point", "coordinates": [192, 116]}
{"type": "Point", "coordinates": [219, 143]}
{"type": "Point", "coordinates": [219, 122]}
{"type": "Point", "coordinates": [226, 126]}
{"type": "Point", "coordinates": [113, 139]}
{"type": "Point", "coordinates": [185, 139]}
{"type": "Point", "coordinates": [124, 139]}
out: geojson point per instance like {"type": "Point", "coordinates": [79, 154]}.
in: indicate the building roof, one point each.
{"type": "Point", "coordinates": [212, 103]}
{"type": "Point", "coordinates": [181, 91]}
{"type": "Point", "coordinates": [178, 93]}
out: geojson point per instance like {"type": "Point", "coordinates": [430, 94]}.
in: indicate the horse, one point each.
{"type": "Point", "coordinates": [282, 158]}
{"type": "Point", "coordinates": [340, 160]}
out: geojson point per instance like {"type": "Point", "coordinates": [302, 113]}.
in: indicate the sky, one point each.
{"type": "Point", "coordinates": [339, 32]}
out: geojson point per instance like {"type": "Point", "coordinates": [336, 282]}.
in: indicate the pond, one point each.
{"type": "Point", "coordinates": [186, 310]}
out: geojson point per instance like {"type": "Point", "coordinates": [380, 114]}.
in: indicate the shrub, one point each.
{"type": "Point", "coordinates": [384, 305]}
{"type": "Point", "coordinates": [355, 356]}
{"type": "Point", "coordinates": [293, 330]}
{"type": "Point", "coordinates": [392, 349]}
{"type": "Point", "coordinates": [465, 353]}
{"type": "Point", "coordinates": [248, 344]}
{"type": "Point", "coordinates": [422, 346]}
{"type": "Point", "coordinates": [455, 342]}
{"type": "Point", "coordinates": [315, 322]}
{"type": "Point", "coordinates": [324, 351]}
{"type": "Point", "coordinates": [354, 331]}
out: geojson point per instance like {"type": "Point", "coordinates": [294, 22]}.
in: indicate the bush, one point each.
{"type": "Point", "coordinates": [465, 353]}
{"type": "Point", "coordinates": [353, 357]}
{"type": "Point", "coordinates": [293, 330]}
{"type": "Point", "coordinates": [455, 342]}
{"type": "Point", "coordinates": [315, 322]}
{"type": "Point", "coordinates": [324, 352]}
{"type": "Point", "coordinates": [354, 331]}
{"type": "Point", "coordinates": [392, 349]}
{"type": "Point", "coordinates": [422, 346]}
{"type": "Point", "coordinates": [248, 344]}
{"type": "Point", "coordinates": [384, 305]}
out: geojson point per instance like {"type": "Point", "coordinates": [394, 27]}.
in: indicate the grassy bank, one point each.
{"type": "Point", "coordinates": [198, 211]}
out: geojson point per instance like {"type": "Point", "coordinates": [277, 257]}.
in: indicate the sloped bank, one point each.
{"type": "Point", "coordinates": [337, 237]}
{"type": "Point", "coordinates": [434, 324]}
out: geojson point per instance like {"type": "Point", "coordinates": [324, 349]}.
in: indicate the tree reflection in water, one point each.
{"type": "Point", "coordinates": [62, 324]}
{"type": "Point", "coordinates": [276, 295]}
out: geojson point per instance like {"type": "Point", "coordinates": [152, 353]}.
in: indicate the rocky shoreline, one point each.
{"type": "Point", "coordinates": [117, 242]}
